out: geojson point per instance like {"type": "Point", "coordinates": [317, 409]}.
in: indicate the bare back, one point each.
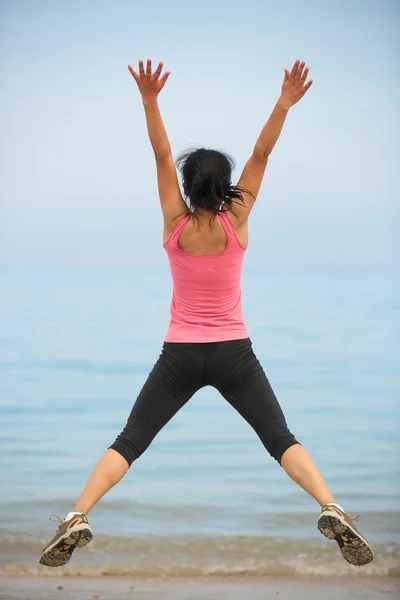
{"type": "Point", "coordinates": [207, 237]}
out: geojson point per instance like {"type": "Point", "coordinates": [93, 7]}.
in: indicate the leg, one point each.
{"type": "Point", "coordinates": [108, 472]}
{"type": "Point", "coordinates": [299, 465]}
{"type": "Point", "coordinates": [172, 382]}
{"type": "Point", "coordinates": [245, 386]}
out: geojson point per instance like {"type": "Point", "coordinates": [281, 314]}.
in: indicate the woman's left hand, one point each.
{"type": "Point", "coordinates": [294, 85]}
{"type": "Point", "coordinates": [149, 84]}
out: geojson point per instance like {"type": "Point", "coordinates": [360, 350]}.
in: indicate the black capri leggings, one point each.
{"type": "Point", "coordinates": [182, 369]}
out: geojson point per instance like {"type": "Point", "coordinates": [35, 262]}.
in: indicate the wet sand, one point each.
{"type": "Point", "coordinates": [126, 588]}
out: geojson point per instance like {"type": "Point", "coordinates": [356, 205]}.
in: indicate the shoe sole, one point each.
{"type": "Point", "coordinates": [353, 546]}
{"type": "Point", "coordinates": [60, 552]}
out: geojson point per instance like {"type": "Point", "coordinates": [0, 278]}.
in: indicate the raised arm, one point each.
{"type": "Point", "coordinates": [293, 89]}
{"type": "Point", "coordinates": [150, 85]}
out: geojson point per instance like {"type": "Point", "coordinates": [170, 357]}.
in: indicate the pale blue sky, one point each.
{"type": "Point", "coordinates": [77, 176]}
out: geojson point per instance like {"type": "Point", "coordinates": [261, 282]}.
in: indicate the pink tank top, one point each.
{"type": "Point", "coordinates": [207, 299]}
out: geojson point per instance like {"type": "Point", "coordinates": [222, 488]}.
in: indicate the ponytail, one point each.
{"type": "Point", "coordinates": [207, 181]}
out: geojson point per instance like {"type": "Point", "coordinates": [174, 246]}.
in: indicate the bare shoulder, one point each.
{"type": "Point", "coordinates": [170, 224]}
{"type": "Point", "coordinates": [241, 227]}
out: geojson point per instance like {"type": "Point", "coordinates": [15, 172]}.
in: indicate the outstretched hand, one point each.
{"type": "Point", "coordinates": [149, 84]}
{"type": "Point", "coordinates": [294, 85]}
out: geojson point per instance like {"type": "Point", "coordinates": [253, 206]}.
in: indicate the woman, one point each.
{"type": "Point", "coordinates": [207, 341]}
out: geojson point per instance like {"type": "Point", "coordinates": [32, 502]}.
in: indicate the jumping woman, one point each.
{"type": "Point", "coordinates": [207, 343]}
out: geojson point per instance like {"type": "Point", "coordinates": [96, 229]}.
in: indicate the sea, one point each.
{"type": "Point", "coordinates": [205, 499]}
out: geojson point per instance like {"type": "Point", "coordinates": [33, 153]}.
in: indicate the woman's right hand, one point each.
{"type": "Point", "coordinates": [149, 84]}
{"type": "Point", "coordinates": [294, 85]}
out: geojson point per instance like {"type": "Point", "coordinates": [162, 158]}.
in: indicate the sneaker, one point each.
{"type": "Point", "coordinates": [71, 534]}
{"type": "Point", "coordinates": [336, 525]}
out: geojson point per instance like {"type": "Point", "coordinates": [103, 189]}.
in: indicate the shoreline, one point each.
{"type": "Point", "coordinates": [205, 588]}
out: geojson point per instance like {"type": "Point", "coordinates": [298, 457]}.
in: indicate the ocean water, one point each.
{"type": "Point", "coordinates": [205, 498]}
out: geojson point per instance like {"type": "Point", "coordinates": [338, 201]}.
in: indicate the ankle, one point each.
{"type": "Point", "coordinates": [325, 499]}
{"type": "Point", "coordinates": [72, 514]}
{"type": "Point", "coordinates": [82, 509]}
{"type": "Point", "coordinates": [335, 504]}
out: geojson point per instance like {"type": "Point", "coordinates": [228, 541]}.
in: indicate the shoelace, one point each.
{"type": "Point", "coordinates": [351, 517]}
{"type": "Point", "coordinates": [57, 519]}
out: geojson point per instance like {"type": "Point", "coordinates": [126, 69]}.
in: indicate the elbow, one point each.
{"type": "Point", "coordinates": [162, 155]}
{"type": "Point", "coordinates": [261, 154]}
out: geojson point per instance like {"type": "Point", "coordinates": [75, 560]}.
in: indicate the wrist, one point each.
{"type": "Point", "coordinates": [149, 100]}
{"type": "Point", "coordinates": [283, 103]}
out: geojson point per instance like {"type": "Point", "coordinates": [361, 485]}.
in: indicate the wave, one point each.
{"type": "Point", "coordinates": [196, 557]}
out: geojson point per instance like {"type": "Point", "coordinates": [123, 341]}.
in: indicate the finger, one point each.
{"type": "Point", "coordinates": [148, 67]}
{"type": "Point", "coordinates": [133, 73]}
{"type": "Point", "coordinates": [305, 73]}
{"type": "Point", "coordinates": [300, 70]}
{"type": "Point", "coordinates": [309, 84]}
{"type": "Point", "coordinates": [294, 69]}
{"type": "Point", "coordinates": [164, 78]}
{"type": "Point", "coordinates": [287, 74]}
{"type": "Point", "coordinates": [141, 68]}
{"type": "Point", "coordinates": [157, 72]}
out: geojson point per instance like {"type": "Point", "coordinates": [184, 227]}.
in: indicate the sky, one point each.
{"type": "Point", "coordinates": [77, 174]}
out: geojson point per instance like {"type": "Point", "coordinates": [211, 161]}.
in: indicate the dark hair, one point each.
{"type": "Point", "coordinates": [206, 178]}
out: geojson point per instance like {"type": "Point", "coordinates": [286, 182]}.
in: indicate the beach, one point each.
{"type": "Point", "coordinates": [205, 508]}
{"type": "Point", "coordinates": [126, 588]}
{"type": "Point", "coordinates": [90, 290]}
